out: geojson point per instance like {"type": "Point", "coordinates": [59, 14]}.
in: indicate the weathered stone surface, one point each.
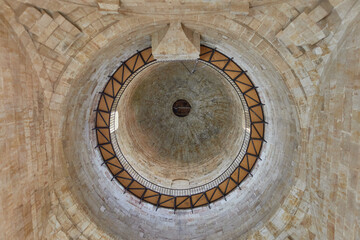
{"type": "Point", "coordinates": [176, 43]}
{"type": "Point", "coordinates": [239, 7]}
{"type": "Point", "coordinates": [191, 145]}
{"type": "Point", "coordinates": [29, 16]}
{"type": "Point", "coordinates": [55, 32]}
{"type": "Point", "coordinates": [320, 11]}
{"type": "Point", "coordinates": [302, 31]}
{"type": "Point", "coordinates": [108, 6]}
{"type": "Point", "coordinates": [52, 183]}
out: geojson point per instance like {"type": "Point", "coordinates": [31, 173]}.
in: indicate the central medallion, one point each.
{"type": "Point", "coordinates": [181, 108]}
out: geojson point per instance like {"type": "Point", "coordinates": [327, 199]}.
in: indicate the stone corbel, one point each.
{"type": "Point", "coordinates": [176, 42]}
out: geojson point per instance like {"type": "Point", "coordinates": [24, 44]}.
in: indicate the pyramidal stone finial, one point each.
{"type": "Point", "coordinates": [176, 42]}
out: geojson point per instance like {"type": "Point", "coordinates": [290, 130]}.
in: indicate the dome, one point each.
{"type": "Point", "coordinates": [178, 153]}
{"type": "Point", "coordinates": [179, 119]}
{"type": "Point", "coordinates": [190, 150]}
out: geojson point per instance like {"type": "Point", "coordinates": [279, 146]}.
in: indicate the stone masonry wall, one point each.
{"type": "Point", "coordinates": [303, 55]}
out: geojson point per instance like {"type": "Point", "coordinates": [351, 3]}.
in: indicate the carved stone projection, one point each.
{"type": "Point", "coordinates": [54, 31]}
{"type": "Point", "coordinates": [305, 29]}
{"type": "Point", "coordinates": [108, 6]}
{"type": "Point", "coordinates": [176, 42]}
{"type": "Point", "coordinates": [185, 7]}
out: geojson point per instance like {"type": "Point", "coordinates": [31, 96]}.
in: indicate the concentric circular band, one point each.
{"type": "Point", "coordinates": [189, 191]}
{"type": "Point", "coordinates": [176, 198]}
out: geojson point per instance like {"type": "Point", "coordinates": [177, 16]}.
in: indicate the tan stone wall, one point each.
{"type": "Point", "coordinates": [25, 166]}
{"type": "Point", "coordinates": [306, 187]}
{"type": "Point", "coordinates": [334, 142]}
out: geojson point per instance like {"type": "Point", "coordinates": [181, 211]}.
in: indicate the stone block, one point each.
{"type": "Point", "coordinates": [64, 45]}
{"type": "Point", "coordinates": [45, 20]}
{"type": "Point", "coordinates": [302, 31]}
{"type": "Point", "coordinates": [29, 16]}
{"type": "Point", "coordinates": [66, 26]}
{"type": "Point", "coordinates": [41, 24]}
{"type": "Point", "coordinates": [176, 43]}
{"type": "Point", "coordinates": [69, 27]}
{"type": "Point", "coordinates": [61, 235]}
{"type": "Point", "coordinates": [75, 31]}
{"type": "Point", "coordinates": [64, 221]}
{"type": "Point", "coordinates": [54, 32]}
{"type": "Point", "coordinates": [47, 32]}
{"type": "Point", "coordinates": [59, 18]}
{"type": "Point", "coordinates": [59, 34]}
{"type": "Point", "coordinates": [295, 50]}
{"type": "Point", "coordinates": [74, 233]}
{"type": "Point", "coordinates": [108, 6]}
{"type": "Point", "coordinates": [320, 11]}
{"type": "Point", "coordinates": [82, 237]}
{"type": "Point", "coordinates": [239, 7]}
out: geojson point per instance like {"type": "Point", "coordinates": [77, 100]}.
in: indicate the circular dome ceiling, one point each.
{"type": "Point", "coordinates": [187, 149]}
{"type": "Point", "coordinates": [180, 134]}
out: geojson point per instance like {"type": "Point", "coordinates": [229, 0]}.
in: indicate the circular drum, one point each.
{"type": "Point", "coordinates": [180, 134]}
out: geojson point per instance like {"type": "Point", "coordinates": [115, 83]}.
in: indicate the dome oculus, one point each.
{"type": "Point", "coordinates": [181, 108]}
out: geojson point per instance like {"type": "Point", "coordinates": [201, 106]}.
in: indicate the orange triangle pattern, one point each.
{"type": "Point", "coordinates": [102, 123]}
